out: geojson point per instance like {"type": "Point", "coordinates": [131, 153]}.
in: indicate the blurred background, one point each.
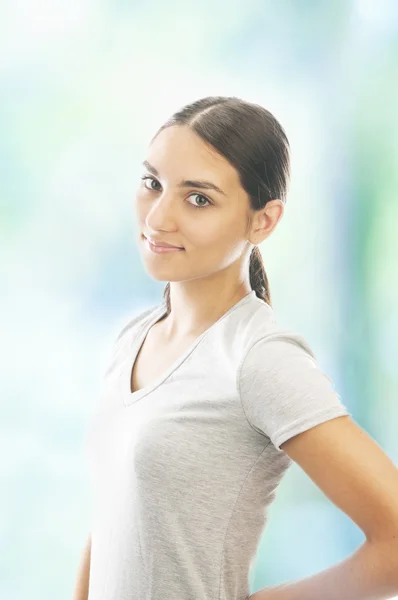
{"type": "Point", "coordinates": [83, 86]}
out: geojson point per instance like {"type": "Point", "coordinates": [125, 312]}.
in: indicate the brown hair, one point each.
{"type": "Point", "coordinates": [255, 143]}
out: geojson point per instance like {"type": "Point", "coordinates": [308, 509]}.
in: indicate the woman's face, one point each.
{"type": "Point", "coordinates": [173, 206]}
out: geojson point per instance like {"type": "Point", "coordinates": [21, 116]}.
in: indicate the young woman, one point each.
{"type": "Point", "coordinates": [207, 400]}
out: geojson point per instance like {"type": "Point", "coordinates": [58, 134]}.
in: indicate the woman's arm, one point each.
{"type": "Point", "coordinates": [83, 576]}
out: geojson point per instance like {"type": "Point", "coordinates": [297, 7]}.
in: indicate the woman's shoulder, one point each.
{"type": "Point", "coordinates": [263, 331]}
{"type": "Point", "coordinates": [128, 327]}
{"type": "Point", "coordinates": [134, 320]}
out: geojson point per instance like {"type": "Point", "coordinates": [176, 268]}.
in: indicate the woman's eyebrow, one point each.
{"type": "Point", "coordinates": [204, 185]}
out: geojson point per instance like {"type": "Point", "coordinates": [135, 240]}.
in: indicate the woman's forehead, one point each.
{"type": "Point", "coordinates": [180, 153]}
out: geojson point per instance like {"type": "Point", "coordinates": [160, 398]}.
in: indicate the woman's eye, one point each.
{"type": "Point", "coordinates": [152, 179]}
{"type": "Point", "coordinates": [201, 205]}
{"type": "Point", "coordinates": [145, 177]}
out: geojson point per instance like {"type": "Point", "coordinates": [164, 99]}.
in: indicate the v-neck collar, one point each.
{"type": "Point", "coordinates": [130, 397]}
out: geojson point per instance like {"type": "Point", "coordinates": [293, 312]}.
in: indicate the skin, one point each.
{"type": "Point", "coordinates": [211, 274]}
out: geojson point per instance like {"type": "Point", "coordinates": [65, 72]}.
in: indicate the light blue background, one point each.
{"type": "Point", "coordinates": [83, 86]}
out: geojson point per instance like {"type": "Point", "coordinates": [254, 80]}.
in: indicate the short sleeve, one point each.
{"type": "Point", "coordinates": [283, 391]}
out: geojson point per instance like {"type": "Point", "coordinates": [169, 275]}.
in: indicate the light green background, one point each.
{"type": "Point", "coordinates": [83, 86]}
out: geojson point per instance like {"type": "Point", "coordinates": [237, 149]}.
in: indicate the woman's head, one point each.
{"type": "Point", "coordinates": [242, 150]}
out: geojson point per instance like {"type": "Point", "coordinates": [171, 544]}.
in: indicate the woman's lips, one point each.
{"type": "Point", "coordinates": [160, 249]}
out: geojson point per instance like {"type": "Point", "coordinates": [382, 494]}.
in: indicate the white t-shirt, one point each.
{"type": "Point", "coordinates": [183, 471]}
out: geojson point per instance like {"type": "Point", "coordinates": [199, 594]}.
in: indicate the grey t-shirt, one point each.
{"type": "Point", "coordinates": [183, 471]}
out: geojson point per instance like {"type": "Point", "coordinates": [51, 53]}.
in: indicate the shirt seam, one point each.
{"type": "Point", "coordinates": [238, 378]}
{"type": "Point", "coordinates": [233, 510]}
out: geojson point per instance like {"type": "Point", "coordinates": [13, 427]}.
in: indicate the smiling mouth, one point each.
{"type": "Point", "coordinates": [160, 249]}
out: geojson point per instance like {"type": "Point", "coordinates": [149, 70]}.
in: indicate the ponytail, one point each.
{"type": "Point", "coordinates": [258, 276]}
